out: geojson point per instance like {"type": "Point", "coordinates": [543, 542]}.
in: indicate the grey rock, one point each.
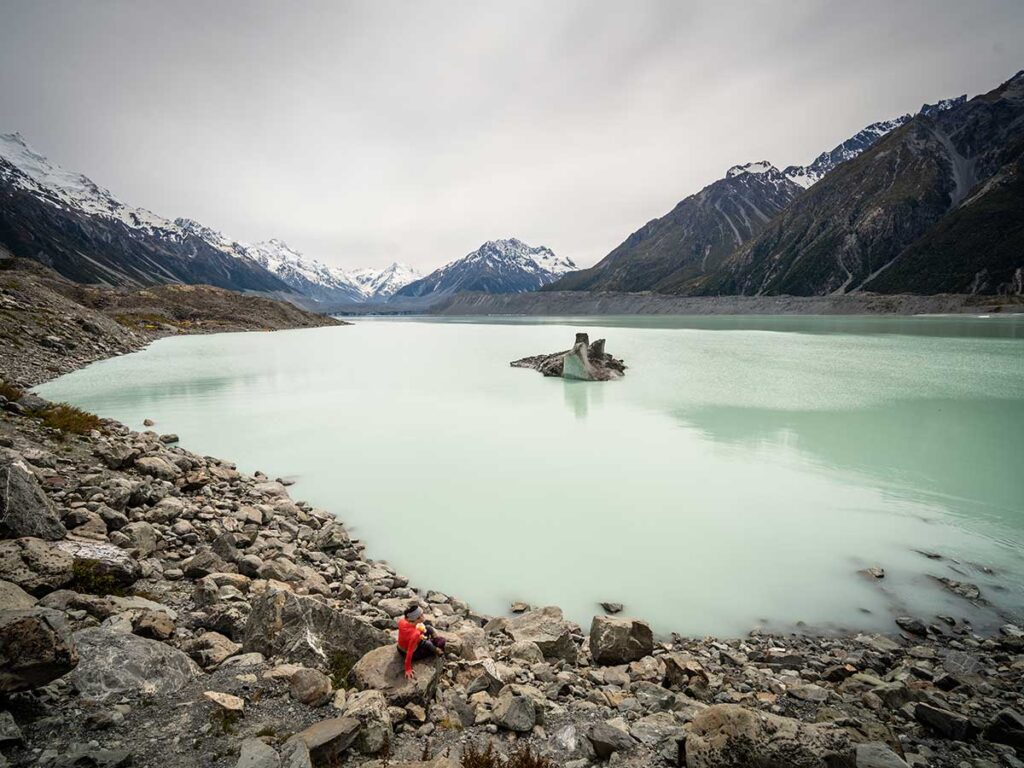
{"type": "Point", "coordinates": [9, 731]}
{"type": "Point", "coordinates": [549, 630]}
{"type": "Point", "coordinates": [383, 669]}
{"type": "Point", "coordinates": [327, 740]}
{"type": "Point", "coordinates": [619, 641]}
{"type": "Point", "coordinates": [13, 597]}
{"type": "Point", "coordinates": [911, 624]}
{"type": "Point", "coordinates": [514, 712]}
{"type": "Point", "coordinates": [35, 565]}
{"type": "Point", "coordinates": [878, 755]}
{"type": "Point", "coordinates": [114, 663]}
{"type": "Point", "coordinates": [1007, 727]}
{"type": "Point", "coordinates": [608, 738]}
{"type": "Point", "coordinates": [307, 630]}
{"type": "Point", "coordinates": [211, 649]}
{"type": "Point", "coordinates": [25, 510]}
{"type": "Point", "coordinates": [943, 722]}
{"type": "Point", "coordinates": [116, 455]}
{"type": "Point", "coordinates": [158, 467]}
{"type": "Point", "coordinates": [310, 686]}
{"type": "Point", "coordinates": [257, 754]}
{"type": "Point", "coordinates": [371, 709]}
{"type": "Point", "coordinates": [142, 538]}
{"type": "Point", "coordinates": [729, 736]}
{"type": "Point", "coordinates": [612, 607]}
{"type": "Point", "coordinates": [101, 561]}
{"type": "Point", "coordinates": [35, 648]}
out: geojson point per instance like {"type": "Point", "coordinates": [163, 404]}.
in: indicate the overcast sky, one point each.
{"type": "Point", "coordinates": [364, 132]}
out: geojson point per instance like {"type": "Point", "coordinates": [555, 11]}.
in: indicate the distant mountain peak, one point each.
{"type": "Point", "coordinates": [762, 166]}
{"type": "Point", "coordinates": [506, 265]}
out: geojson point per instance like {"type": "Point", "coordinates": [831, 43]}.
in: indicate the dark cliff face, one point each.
{"type": "Point", "coordinates": [852, 229]}
{"type": "Point", "coordinates": [694, 238]}
{"type": "Point", "coordinates": [94, 249]}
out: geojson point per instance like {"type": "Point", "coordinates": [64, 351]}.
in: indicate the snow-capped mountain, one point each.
{"type": "Point", "coordinates": [77, 227]}
{"type": "Point", "coordinates": [379, 284]}
{"type": "Point", "coordinates": [806, 175]}
{"type": "Point", "coordinates": [498, 266]}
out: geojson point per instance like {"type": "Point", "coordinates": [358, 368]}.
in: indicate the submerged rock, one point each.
{"type": "Point", "coordinates": [584, 362]}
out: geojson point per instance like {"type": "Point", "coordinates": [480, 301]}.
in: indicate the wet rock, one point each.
{"type": "Point", "coordinates": [585, 361]}
{"type": "Point", "coordinates": [35, 648]}
{"type": "Point", "coordinates": [729, 736]}
{"type": "Point", "coordinates": [514, 712]}
{"type": "Point", "coordinates": [913, 625]}
{"type": "Point", "coordinates": [611, 607]}
{"type": "Point", "coordinates": [25, 510]}
{"type": "Point", "coordinates": [114, 663]}
{"type": "Point", "coordinates": [35, 565]}
{"type": "Point", "coordinates": [383, 669]}
{"type": "Point", "coordinates": [310, 687]}
{"type": "Point", "coordinates": [549, 630]}
{"type": "Point", "coordinates": [308, 631]}
{"type": "Point", "coordinates": [619, 641]}
{"type": "Point", "coordinates": [943, 722]}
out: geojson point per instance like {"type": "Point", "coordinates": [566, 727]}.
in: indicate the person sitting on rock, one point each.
{"type": "Point", "coordinates": [417, 638]}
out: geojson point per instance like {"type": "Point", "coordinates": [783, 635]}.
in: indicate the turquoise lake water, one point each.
{"type": "Point", "coordinates": [739, 476]}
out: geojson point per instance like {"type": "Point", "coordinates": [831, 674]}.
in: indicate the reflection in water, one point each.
{"type": "Point", "coordinates": [580, 394]}
{"type": "Point", "coordinates": [732, 476]}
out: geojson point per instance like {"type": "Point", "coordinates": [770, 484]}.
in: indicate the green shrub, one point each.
{"type": "Point", "coordinates": [69, 419]}
{"type": "Point", "coordinates": [339, 665]}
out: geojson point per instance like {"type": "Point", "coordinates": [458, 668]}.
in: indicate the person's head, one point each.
{"type": "Point", "coordinates": [414, 613]}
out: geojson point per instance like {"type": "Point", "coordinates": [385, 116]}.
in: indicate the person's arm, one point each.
{"type": "Point", "coordinates": [410, 649]}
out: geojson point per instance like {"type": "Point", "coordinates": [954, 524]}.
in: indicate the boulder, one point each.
{"type": "Point", "coordinates": [25, 510]}
{"type": "Point", "coordinates": [683, 671]}
{"type": "Point", "coordinates": [35, 565]}
{"type": "Point", "coordinates": [585, 361]}
{"type": "Point", "coordinates": [875, 754]}
{"type": "Point", "coordinates": [257, 754]}
{"type": "Point", "coordinates": [114, 664]}
{"type": "Point", "coordinates": [616, 641]}
{"type": "Point", "coordinates": [142, 538]}
{"type": "Point", "coordinates": [116, 455]}
{"type": "Point", "coordinates": [309, 686]}
{"type": "Point", "coordinates": [327, 740]}
{"type": "Point", "coordinates": [514, 712]}
{"type": "Point", "coordinates": [370, 708]}
{"type": "Point", "coordinates": [211, 649]}
{"type": "Point", "coordinates": [10, 733]}
{"type": "Point", "coordinates": [13, 597]}
{"type": "Point", "coordinates": [549, 630]}
{"type": "Point", "coordinates": [35, 648]}
{"type": "Point", "coordinates": [608, 738]}
{"type": "Point", "coordinates": [100, 566]}
{"type": "Point", "coordinates": [158, 467]}
{"type": "Point", "coordinates": [943, 722]}
{"type": "Point", "coordinates": [729, 736]}
{"type": "Point", "coordinates": [383, 669]}
{"type": "Point", "coordinates": [308, 630]}
{"type": "Point", "coordinates": [1007, 727]}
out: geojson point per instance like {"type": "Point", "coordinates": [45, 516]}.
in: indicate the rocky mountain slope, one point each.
{"type": "Point", "coordinates": [671, 253]}
{"type": "Point", "coordinates": [498, 266]}
{"type": "Point", "coordinates": [850, 228]}
{"type": "Point", "coordinates": [694, 238]}
{"type": "Point", "coordinates": [50, 325]}
{"type": "Point", "coordinates": [69, 223]}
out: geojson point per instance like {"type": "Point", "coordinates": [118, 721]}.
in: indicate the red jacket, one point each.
{"type": "Point", "coordinates": [409, 637]}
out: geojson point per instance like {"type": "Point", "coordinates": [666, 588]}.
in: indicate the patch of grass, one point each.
{"type": "Point", "coordinates": [143, 321]}
{"type": "Point", "coordinates": [267, 731]}
{"type": "Point", "coordinates": [339, 665]}
{"type": "Point", "coordinates": [89, 578]}
{"type": "Point", "coordinates": [69, 419]}
{"type": "Point", "coordinates": [12, 393]}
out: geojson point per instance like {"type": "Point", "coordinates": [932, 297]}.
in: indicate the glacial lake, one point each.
{"type": "Point", "coordinates": [739, 476]}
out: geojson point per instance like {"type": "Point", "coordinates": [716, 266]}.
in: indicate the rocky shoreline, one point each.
{"type": "Point", "coordinates": [162, 608]}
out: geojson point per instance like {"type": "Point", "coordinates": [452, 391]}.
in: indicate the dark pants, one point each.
{"type": "Point", "coordinates": [425, 649]}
